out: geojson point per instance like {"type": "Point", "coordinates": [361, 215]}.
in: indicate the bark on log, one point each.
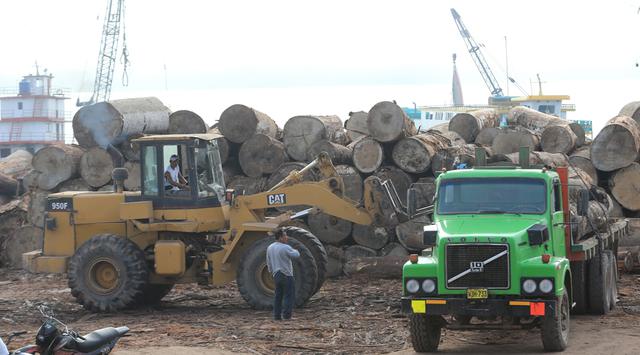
{"type": "Point", "coordinates": [356, 125]}
{"type": "Point", "coordinates": [414, 154]}
{"type": "Point", "coordinates": [301, 132]}
{"type": "Point", "coordinates": [387, 122]}
{"type": "Point", "coordinates": [441, 128]}
{"type": "Point", "coordinates": [410, 233]}
{"type": "Point", "coordinates": [230, 171]}
{"type": "Point", "coordinates": [487, 135]}
{"type": "Point", "coordinates": [96, 166]}
{"type": "Point", "coordinates": [509, 141]}
{"type": "Point", "coordinates": [329, 229]}
{"type": "Point", "coordinates": [369, 236]}
{"type": "Point", "coordinates": [74, 185]}
{"type": "Point", "coordinates": [185, 121]}
{"type": "Point", "coordinates": [617, 144]}
{"type": "Point", "coordinates": [579, 132]}
{"type": "Point", "coordinates": [111, 122]}
{"type": "Point", "coordinates": [30, 181]}
{"type": "Point", "coordinates": [339, 154]}
{"type": "Point", "coordinates": [57, 163]}
{"type": "Point", "coordinates": [469, 124]}
{"type": "Point", "coordinates": [532, 119]}
{"type": "Point", "coordinates": [239, 122]}
{"type": "Point", "coordinates": [353, 183]}
{"type": "Point", "coordinates": [224, 146]}
{"type": "Point", "coordinates": [358, 251]}
{"type": "Point", "coordinates": [336, 261]}
{"type": "Point", "coordinates": [133, 182]}
{"type": "Point", "coordinates": [12, 216]}
{"type": "Point", "coordinates": [23, 240]}
{"type": "Point", "coordinates": [17, 164]}
{"type": "Point", "coordinates": [8, 185]}
{"type": "Point", "coordinates": [581, 159]}
{"type": "Point", "coordinates": [455, 138]}
{"type": "Point", "coordinates": [284, 170]}
{"type": "Point", "coordinates": [261, 155]}
{"type": "Point", "coordinates": [632, 109]}
{"type": "Point", "coordinates": [36, 207]}
{"type": "Point", "coordinates": [367, 155]}
{"type": "Point", "coordinates": [378, 267]}
{"type": "Point", "coordinates": [448, 158]}
{"type": "Point", "coordinates": [558, 139]}
{"type": "Point", "coordinates": [394, 250]}
{"type": "Point", "coordinates": [553, 160]}
{"type": "Point", "coordinates": [426, 189]}
{"type": "Point", "coordinates": [401, 180]}
{"type": "Point", "coordinates": [624, 187]}
{"type": "Point", "coordinates": [129, 149]}
{"type": "Point", "coordinates": [251, 185]}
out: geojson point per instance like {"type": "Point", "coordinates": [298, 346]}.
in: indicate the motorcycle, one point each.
{"type": "Point", "coordinates": [55, 338]}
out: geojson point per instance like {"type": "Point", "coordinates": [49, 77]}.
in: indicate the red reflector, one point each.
{"type": "Point", "coordinates": [546, 258]}
{"type": "Point", "coordinates": [536, 309]}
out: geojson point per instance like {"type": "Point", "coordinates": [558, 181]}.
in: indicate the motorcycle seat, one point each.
{"type": "Point", "coordinates": [99, 338]}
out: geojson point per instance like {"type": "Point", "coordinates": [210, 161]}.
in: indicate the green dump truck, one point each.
{"type": "Point", "coordinates": [502, 254]}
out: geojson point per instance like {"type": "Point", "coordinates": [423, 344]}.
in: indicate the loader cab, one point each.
{"type": "Point", "coordinates": [198, 163]}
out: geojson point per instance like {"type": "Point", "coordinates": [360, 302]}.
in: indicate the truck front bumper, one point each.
{"type": "Point", "coordinates": [515, 307]}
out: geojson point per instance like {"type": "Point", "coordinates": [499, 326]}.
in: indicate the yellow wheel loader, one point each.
{"type": "Point", "coordinates": [121, 249]}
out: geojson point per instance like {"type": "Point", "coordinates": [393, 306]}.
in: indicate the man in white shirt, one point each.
{"type": "Point", "coordinates": [279, 255]}
{"type": "Point", "coordinates": [173, 179]}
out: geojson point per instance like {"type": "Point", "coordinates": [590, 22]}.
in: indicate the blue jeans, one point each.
{"type": "Point", "coordinates": [285, 286]}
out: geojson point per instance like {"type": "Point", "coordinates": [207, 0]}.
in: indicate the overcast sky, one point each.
{"type": "Point", "coordinates": [587, 50]}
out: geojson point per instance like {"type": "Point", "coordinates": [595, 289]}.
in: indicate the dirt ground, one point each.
{"type": "Point", "coordinates": [347, 316]}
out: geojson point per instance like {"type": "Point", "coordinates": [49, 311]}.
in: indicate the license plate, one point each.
{"type": "Point", "coordinates": [477, 293]}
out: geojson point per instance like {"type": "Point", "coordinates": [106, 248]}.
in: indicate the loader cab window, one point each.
{"type": "Point", "coordinates": [209, 171]}
{"type": "Point", "coordinates": [176, 171]}
{"type": "Point", "coordinates": [150, 171]}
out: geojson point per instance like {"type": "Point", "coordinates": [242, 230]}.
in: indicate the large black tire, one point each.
{"type": "Point", "coordinates": [599, 294]}
{"type": "Point", "coordinates": [613, 279]}
{"type": "Point", "coordinates": [555, 328]}
{"type": "Point", "coordinates": [579, 287]}
{"type": "Point", "coordinates": [256, 283]}
{"type": "Point", "coordinates": [108, 273]}
{"type": "Point", "coordinates": [153, 293]}
{"type": "Point", "coordinates": [425, 332]}
{"type": "Point", "coordinates": [316, 248]}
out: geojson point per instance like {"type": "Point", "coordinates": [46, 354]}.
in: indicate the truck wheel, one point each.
{"type": "Point", "coordinates": [613, 279]}
{"type": "Point", "coordinates": [425, 332]}
{"type": "Point", "coordinates": [256, 284]}
{"type": "Point", "coordinates": [153, 293]}
{"type": "Point", "coordinates": [315, 247]}
{"type": "Point", "coordinates": [579, 287]}
{"type": "Point", "coordinates": [555, 328]}
{"type": "Point", "coordinates": [108, 273]}
{"type": "Point", "coordinates": [599, 294]}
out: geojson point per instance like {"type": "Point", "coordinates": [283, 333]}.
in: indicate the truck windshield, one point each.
{"type": "Point", "coordinates": [492, 195]}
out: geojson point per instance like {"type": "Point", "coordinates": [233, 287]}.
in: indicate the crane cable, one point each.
{"type": "Point", "coordinates": [124, 58]}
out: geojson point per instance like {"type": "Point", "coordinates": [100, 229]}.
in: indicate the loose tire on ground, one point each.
{"type": "Point", "coordinates": [599, 294]}
{"type": "Point", "coordinates": [108, 273]}
{"type": "Point", "coordinates": [579, 287]}
{"type": "Point", "coordinates": [613, 279]}
{"type": "Point", "coordinates": [255, 283]}
{"type": "Point", "coordinates": [555, 327]}
{"type": "Point", "coordinates": [425, 332]}
{"type": "Point", "coordinates": [315, 247]}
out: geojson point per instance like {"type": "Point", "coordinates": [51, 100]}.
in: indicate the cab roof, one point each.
{"type": "Point", "coordinates": [178, 137]}
{"type": "Point", "coordinates": [497, 173]}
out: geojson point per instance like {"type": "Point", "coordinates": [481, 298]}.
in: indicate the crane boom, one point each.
{"type": "Point", "coordinates": [478, 57]}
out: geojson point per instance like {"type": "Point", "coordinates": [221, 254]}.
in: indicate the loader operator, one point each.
{"type": "Point", "coordinates": [279, 255]}
{"type": "Point", "coordinates": [173, 179]}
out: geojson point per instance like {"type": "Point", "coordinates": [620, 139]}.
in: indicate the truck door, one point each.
{"type": "Point", "coordinates": [557, 220]}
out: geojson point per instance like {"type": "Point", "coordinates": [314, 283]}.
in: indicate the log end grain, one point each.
{"type": "Point", "coordinates": [185, 121]}
{"type": "Point", "coordinates": [387, 122]}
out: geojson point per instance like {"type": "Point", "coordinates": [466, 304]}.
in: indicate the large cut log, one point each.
{"type": "Point", "coordinates": [617, 144]}
{"type": "Point", "coordinates": [367, 155]}
{"type": "Point", "coordinates": [8, 185]}
{"type": "Point", "coordinates": [57, 163]}
{"type": "Point", "coordinates": [376, 267]}
{"type": "Point", "coordinates": [358, 251]}
{"type": "Point", "coordinates": [387, 122]}
{"type": "Point", "coordinates": [356, 125]}
{"type": "Point", "coordinates": [133, 182]}
{"type": "Point", "coordinates": [24, 239]}
{"type": "Point", "coordinates": [36, 207]}
{"type": "Point", "coordinates": [532, 119]}
{"type": "Point", "coordinates": [558, 139]}
{"type": "Point", "coordinates": [336, 260]}
{"type": "Point", "coordinates": [260, 155]}
{"type": "Point", "coordinates": [352, 180]}
{"type": "Point", "coordinates": [329, 229]}
{"type": "Point", "coordinates": [250, 185]}
{"type": "Point", "coordinates": [510, 140]}
{"type": "Point", "coordinates": [579, 132]}
{"type": "Point", "coordinates": [581, 159]}
{"type": "Point", "coordinates": [339, 154]}
{"type": "Point", "coordinates": [111, 122]}
{"type": "Point", "coordinates": [30, 181]}
{"type": "Point", "coordinates": [454, 137]}
{"type": "Point", "coordinates": [624, 186]}
{"type": "Point", "coordinates": [394, 249]}
{"type": "Point", "coordinates": [185, 121]}
{"type": "Point", "coordinates": [370, 236]}
{"type": "Point", "coordinates": [410, 233]}
{"type": "Point", "coordinates": [12, 216]}
{"type": "Point", "coordinates": [238, 123]}
{"type": "Point", "coordinates": [426, 190]}
{"type": "Point", "coordinates": [487, 135]}
{"type": "Point", "coordinates": [469, 124]}
{"type": "Point", "coordinates": [224, 146]}
{"type": "Point", "coordinates": [552, 160]}
{"type": "Point", "coordinates": [74, 185]}
{"type": "Point", "coordinates": [96, 166]}
{"type": "Point", "coordinates": [284, 170]}
{"type": "Point", "coordinates": [17, 164]}
{"type": "Point", "coordinates": [230, 171]}
{"type": "Point", "coordinates": [632, 109]}
{"type": "Point", "coordinates": [130, 149]}
{"type": "Point", "coordinates": [414, 154]}
{"type": "Point", "coordinates": [301, 132]}
{"type": "Point", "coordinates": [400, 179]}
{"type": "Point", "coordinates": [449, 158]}
{"type": "Point", "coordinates": [439, 128]}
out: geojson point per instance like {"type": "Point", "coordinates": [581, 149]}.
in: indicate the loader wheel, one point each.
{"type": "Point", "coordinates": [613, 279]}
{"type": "Point", "coordinates": [579, 287]}
{"type": "Point", "coordinates": [256, 284]}
{"type": "Point", "coordinates": [425, 332]}
{"type": "Point", "coordinates": [315, 247]}
{"type": "Point", "coordinates": [555, 328]}
{"type": "Point", "coordinates": [108, 273]}
{"type": "Point", "coordinates": [153, 293]}
{"type": "Point", "coordinates": [599, 293]}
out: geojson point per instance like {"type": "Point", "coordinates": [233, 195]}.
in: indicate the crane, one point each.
{"type": "Point", "coordinates": [108, 52]}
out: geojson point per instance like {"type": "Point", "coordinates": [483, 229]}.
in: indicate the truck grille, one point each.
{"type": "Point", "coordinates": [465, 266]}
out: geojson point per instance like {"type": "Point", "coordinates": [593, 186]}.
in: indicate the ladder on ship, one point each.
{"type": "Point", "coordinates": [16, 131]}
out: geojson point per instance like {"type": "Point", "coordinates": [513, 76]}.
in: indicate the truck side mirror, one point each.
{"type": "Point", "coordinates": [583, 202]}
{"type": "Point", "coordinates": [412, 201]}
{"type": "Point", "coordinates": [429, 235]}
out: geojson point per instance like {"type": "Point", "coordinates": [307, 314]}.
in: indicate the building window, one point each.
{"type": "Point", "coordinates": [19, 105]}
{"type": "Point", "coordinates": [5, 152]}
{"type": "Point", "coordinates": [550, 109]}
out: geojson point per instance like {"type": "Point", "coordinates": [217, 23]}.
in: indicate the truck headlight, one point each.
{"type": "Point", "coordinates": [412, 286]}
{"type": "Point", "coordinates": [428, 285]}
{"type": "Point", "coordinates": [529, 286]}
{"type": "Point", "coordinates": [546, 286]}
